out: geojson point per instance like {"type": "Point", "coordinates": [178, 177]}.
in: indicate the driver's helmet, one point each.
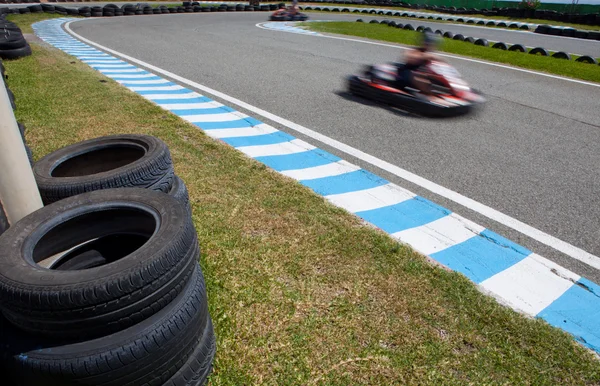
{"type": "Point", "coordinates": [430, 41]}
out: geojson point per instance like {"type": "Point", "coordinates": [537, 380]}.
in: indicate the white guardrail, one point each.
{"type": "Point", "coordinates": [18, 190]}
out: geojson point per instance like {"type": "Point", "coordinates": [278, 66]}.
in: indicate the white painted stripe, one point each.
{"type": "Point", "coordinates": [99, 66]}
{"type": "Point", "coordinates": [530, 285]}
{"type": "Point", "coordinates": [120, 71]}
{"type": "Point", "coordinates": [528, 230]}
{"type": "Point", "coordinates": [172, 96]}
{"type": "Point", "coordinates": [155, 88]}
{"type": "Point", "coordinates": [368, 199]}
{"type": "Point", "coordinates": [147, 81]}
{"type": "Point", "coordinates": [260, 25]}
{"type": "Point", "coordinates": [328, 170]}
{"type": "Point", "coordinates": [103, 61]}
{"type": "Point", "coordinates": [132, 76]}
{"type": "Point", "coordinates": [93, 56]}
{"type": "Point", "coordinates": [243, 132]}
{"type": "Point", "coordinates": [439, 234]}
{"type": "Point", "coordinates": [191, 106]}
{"type": "Point", "coordinates": [225, 117]}
{"type": "Point", "coordinates": [291, 147]}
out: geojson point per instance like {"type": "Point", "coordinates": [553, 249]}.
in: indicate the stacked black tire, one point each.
{"type": "Point", "coordinates": [12, 42]}
{"type": "Point", "coordinates": [125, 302]}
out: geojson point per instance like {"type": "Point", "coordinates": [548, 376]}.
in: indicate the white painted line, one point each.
{"type": "Point", "coordinates": [106, 61]}
{"type": "Point", "coordinates": [493, 214]}
{"type": "Point", "coordinates": [120, 71]}
{"type": "Point", "coordinates": [259, 25]}
{"type": "Point", "coordinates": [291, 147]}
{"type": "Point", "coordinates": [530, 285]}
{"type": "Point", "coordinates": [370, 199]}
{"type": "Point", "coordinates": [191, 106]}
{"type": "Point", "coordinates": [328, 170]}
{"type": "Point", "coordinates": [440, 234]}
{"type": "Point", "coordinates": [190, 95]}
{"type": "Point", "coordinates": [148, 81]}
{"type": "Point", "coordinates": [225, 117]}
{"type": "Point", "coordinates": [155, 88]}
{"type": "Point", "coordinates": [100, 66]}
{"type": "Point", "coordinates": [93, 56]}
{"type": "Point", "coordinates": [131, 76]}
{"type": "Point", "coordinates": [243, 132]}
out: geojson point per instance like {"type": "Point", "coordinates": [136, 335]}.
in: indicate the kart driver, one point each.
{"type": "Point", "coordinates": [414, 59]}
{"type": "Point", "coordinates": [294, 7]}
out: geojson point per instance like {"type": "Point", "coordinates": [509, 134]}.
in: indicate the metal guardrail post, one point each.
{"type": "Point", "coordinates": [19, 193]}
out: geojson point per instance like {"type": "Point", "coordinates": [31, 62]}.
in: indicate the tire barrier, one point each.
{"type": "Point", "coordinates": [112, 292]}
{"type": "Point", "coordinates": [12, 42]}
{"type": "Point", "coordinates": [484, 42]}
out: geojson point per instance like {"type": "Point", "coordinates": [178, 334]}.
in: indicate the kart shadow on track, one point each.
{"type": "Point", "coordinates": [395, 110]}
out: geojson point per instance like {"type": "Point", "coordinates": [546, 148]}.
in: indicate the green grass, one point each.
{"type": "Point", "coordinates": [547, 64]}
{"type": "Point", "coordinates": [301, 292]}
{"type": "Point", "coordinates": [24, 21]}
{"type": "Point", "coordinates": [496, 17]}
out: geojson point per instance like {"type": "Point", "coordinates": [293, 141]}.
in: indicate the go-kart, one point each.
{"type": "Point", "coordinates": [451, 94]}
{"type": "Point", "coordinates": [285, 15]}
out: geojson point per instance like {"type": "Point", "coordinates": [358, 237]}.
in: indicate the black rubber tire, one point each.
{"type": "Point", "coordinates": [586, 59]}
{"type": "Point", "coordinates": [148, 353]}
{"type": "Point", "coordinates": [439, 32]}
{"type": "Point", "coordinates": [539, 50]}
{"type": "Point", "coordinates": [141, 273]}
{"type": "Point", "coordinates": [408, 27]}
{"type": "Point", "coordinates": [500, 45]}
{"type": "Point", "coordinates": [469, 39]}
{"type": "Point", "coordinates": [374, 21]}
{"type": "Point", "coordinates": [15, 53]}
{"type": "Point", "coordinates": [11, 98]}
{"type": "Point", "coordinates": [359, 20]}
{"type": "Point", "coordinates": [448, 35]}
{"type": "Point", "coordinates": [13, 42]}
{"type": "Point", "coordinates": [4, 225]}
{"type": "Point", "coordinates": [198, 367]}
{"type": "Point", "coordinates": [180, 192]}
{"type": "Point", "coordinates": [115, 161]}
{"type": "Point", "coordinates": [561, 55]}
{"type": "Point", "coordinates": [460, 37]}
{"type": "Point", "coordinates": [518, 47]}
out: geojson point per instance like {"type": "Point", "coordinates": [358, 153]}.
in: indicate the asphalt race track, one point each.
{"type": "Point", "coordinates": [533, 153]}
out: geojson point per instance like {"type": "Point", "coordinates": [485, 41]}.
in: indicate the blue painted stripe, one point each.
{"type": "Point", "coordinates": [577, 311]}
{"type": "Point", "coordinates": [405, 215]}
{"type": "Point", "coordinates": [482, 257]}
{"type": "Point", "coordinates": [255, 140]}
{"type": "Point", "coordinates": [344, 183]}
{"type": "Point", "coordinates": [307, 159]}
{"type": "Point", "coordinates": [211, 110]}
{"type": "Point", "coordinates": [237, 124]}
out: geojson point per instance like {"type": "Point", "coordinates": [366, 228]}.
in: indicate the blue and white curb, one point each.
{"type": "Point", "coordinates": [515, 276]}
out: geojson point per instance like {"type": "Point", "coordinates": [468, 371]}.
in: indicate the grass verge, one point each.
{"type": "Point", "coordinates": [496, 17]}
{"type": "Point", "coordinates": [546, 64]}
{"type": "Point", "coordinates": [25, 21]}
{"type": "Point", "coordinates": [301, 292]}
